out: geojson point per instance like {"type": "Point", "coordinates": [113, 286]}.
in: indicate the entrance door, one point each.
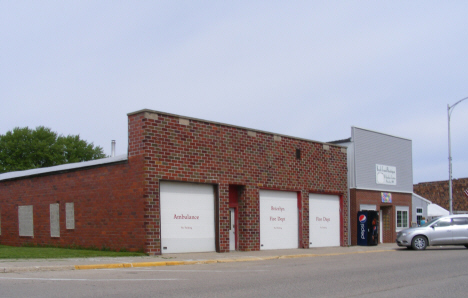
{"type": "Point", "coordinates": [232, 229]}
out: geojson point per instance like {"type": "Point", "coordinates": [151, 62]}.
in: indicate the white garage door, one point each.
{"type": "Point", "coordinates": [187, 217]}
{"type": "Point", "coordinates": [324, 220]}
{"type": "Point", "coordinates": [278, 220]}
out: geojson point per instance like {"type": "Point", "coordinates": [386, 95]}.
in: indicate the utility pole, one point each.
{"type": "Point", "coordinates": [449, 113]}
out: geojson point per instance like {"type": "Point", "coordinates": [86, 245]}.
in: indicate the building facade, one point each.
{"type": "Point", "coordinates": [186, 185]}
{"type": "Point", "coordinates": [380, 178]}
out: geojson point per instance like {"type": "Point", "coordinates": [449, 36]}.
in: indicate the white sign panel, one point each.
{"type": "Point", "coordinates": [54, 220]}
{"type": "Point", "coordinates": [385, 175]}
{"type": "Point", "coordinates": [70, 216]}
{"type": "Point", "coordinates": [324, 220]}
{"type": "Point", "coordinates": [187, 217]}
{"type": "Point", "coordinates": [279, 226]}
{"type": "Point", "coordinates": [25, 220]}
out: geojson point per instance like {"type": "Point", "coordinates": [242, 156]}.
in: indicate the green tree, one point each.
{"type": "Point", "coordinates": [24, 148]}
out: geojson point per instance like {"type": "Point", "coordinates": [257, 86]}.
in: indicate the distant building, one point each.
{"type": "Point", "coordinates": [438, 192]}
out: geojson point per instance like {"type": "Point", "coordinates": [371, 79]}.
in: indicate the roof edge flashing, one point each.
{"type": "Point", "coordinates": [63, 167]}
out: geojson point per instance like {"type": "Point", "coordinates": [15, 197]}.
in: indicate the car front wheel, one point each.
{"type": "Point", "coordinates": [419, 243]}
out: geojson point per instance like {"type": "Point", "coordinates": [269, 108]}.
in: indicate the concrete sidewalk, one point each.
{"type": "Point", "coordinates": [26, 265]}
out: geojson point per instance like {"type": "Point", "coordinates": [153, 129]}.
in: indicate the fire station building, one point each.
{"type": "Point", "coordinates": [185, 185]}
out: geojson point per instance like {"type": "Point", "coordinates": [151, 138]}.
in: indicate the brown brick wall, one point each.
{"type": "Point", "coordinates": [358, 197]}
{"type": "Point", "coordinates": [438, 193]}
{"type": "Point", "coordinates": [107, 201]}
{"type": "Point", "coordinates": [213, 153]}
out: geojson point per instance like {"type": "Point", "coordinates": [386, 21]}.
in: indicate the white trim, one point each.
{"type": "Point", "coordinates": [367, 207]}
{"type": "Point", "coordinates": [382, 190]}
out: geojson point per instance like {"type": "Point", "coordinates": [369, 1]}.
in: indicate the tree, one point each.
{"type": "Point", "coordinates": [24, 148]}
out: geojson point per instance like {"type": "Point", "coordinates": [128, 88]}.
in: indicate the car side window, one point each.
{"type": "Point", "coordinates": [460, 221]}
{"type": "Point", "coordinates": [446, 222]}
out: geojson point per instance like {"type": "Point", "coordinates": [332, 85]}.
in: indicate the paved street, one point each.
{"type": "Point", "coordinates": [436, 272]}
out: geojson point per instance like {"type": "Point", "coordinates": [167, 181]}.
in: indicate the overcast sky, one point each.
{"type": "Point", "coordinates": [309, 69]}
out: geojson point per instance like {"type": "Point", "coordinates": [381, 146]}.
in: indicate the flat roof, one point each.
{"type": "Point", "coordinates": [64, 167]}
{"type": "Point", "coordinates": [230, 125]}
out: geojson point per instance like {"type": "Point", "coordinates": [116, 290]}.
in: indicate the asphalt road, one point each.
{"type": "Point", "coordinates": [436, 272]}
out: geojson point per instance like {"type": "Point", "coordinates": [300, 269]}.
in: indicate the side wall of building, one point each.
{"type": "Point", "coordinates": [190, 150]}
{"type": "Point", "coordinates": [107, 202]}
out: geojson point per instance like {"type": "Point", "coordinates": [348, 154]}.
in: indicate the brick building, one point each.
{"type": "Point", "coordinates": [185, 185]}
{"type": "Point", "coordinates": [438, 193]}
{"type": "Point", "coordinates": [380, 178]}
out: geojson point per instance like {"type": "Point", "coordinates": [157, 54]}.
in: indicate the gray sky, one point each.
{"type": "Point", "coordinates": [310, 69]}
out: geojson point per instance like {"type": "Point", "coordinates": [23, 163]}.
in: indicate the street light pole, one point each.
{"type": "Point", "coordinates": [449, 112]}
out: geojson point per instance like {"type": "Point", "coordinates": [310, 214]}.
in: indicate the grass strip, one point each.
{"type": "Point", "coordinates": [11, 252]}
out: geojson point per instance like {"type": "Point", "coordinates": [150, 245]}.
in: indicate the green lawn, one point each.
{"type": "Point", "coordinates": [11, 252]}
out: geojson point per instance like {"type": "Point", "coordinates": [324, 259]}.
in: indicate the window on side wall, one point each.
{"type": "Point", "coordinates": [419, 215]}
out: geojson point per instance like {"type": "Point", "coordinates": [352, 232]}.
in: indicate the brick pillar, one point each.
{"type": "Point", "coordinates": [223, 205]}
{"type": "Point", "coordinates": [249, 219]}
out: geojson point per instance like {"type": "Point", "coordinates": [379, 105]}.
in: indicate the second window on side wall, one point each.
{"type": "Point", "coordinates": [419, 212]}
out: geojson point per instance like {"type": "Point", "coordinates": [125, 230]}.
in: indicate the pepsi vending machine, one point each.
{"type": "Point", "coordinates": [368, 228]}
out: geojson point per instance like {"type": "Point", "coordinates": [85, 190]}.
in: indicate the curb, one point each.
{"type": "Point", "coordinates": [36, 268]}
{"type": "Point", "coordinates": [174, 263]}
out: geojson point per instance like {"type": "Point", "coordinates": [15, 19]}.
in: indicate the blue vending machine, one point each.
{"type": "Point", "coordinates": [368, 228]}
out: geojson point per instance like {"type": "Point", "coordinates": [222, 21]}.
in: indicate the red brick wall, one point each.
{"type": "Point", "coordinates": [117, 206]}
{"type": "Point", "coordinates": [223, 155]}
{"type": "Point", "coordinates": [107, 200]}
{"type": "Point", "coordinates": [438, 193]}
{"type": "Point", "coordinates": [358, 197]}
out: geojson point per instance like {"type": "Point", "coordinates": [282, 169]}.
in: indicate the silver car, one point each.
{"type": "Point", "coordinates": [447, 230]}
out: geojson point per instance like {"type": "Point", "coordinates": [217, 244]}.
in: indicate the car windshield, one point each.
{"type": "Point", "coordinates": [430, 222]}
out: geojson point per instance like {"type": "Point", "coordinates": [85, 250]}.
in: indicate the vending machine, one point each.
{"type": "Point", "coordinates": [368, 228]}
